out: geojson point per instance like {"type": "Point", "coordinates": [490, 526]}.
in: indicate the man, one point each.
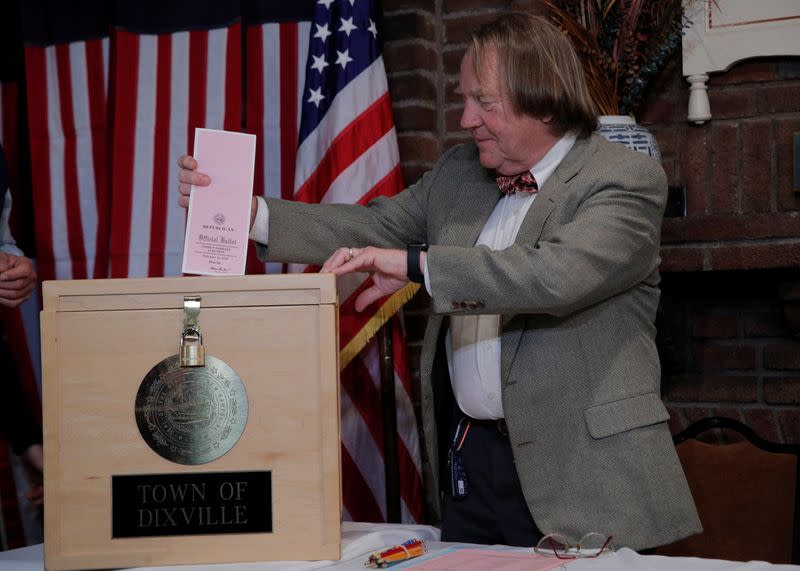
{"type": "Point", "coordinates": [544, 304]}
{"type": "Point", "coordinates": [17, 280]}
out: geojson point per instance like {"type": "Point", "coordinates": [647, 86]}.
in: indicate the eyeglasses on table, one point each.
{"type": "Point", "coordinates": [593, 544]}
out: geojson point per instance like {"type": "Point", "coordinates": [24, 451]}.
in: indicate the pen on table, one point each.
{"type": "Point", "coordinates": [395, 554]}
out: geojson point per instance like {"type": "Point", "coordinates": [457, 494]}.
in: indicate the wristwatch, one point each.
{"type": "Point", "coordinates": [413, 269]}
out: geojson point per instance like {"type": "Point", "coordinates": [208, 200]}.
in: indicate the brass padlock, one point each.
{"type": "Point", "coordinates": [192, 352]}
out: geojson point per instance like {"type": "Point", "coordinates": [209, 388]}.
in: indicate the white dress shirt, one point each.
{"type": "Point", "coordinates": [473, 342]}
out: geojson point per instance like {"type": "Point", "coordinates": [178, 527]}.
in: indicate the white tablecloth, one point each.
{"type": "Point", "coordinates": [360, 539]}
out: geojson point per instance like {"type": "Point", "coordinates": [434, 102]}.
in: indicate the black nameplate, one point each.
{"type": "Point", "coordinates": [146, 505]}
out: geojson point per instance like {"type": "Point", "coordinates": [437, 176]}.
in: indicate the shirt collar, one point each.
{"type": "Point", "coordinates": [542, 170]}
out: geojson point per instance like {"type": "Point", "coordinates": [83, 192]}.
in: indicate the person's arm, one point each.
{"type": "Point", "coordinates": [610, 244]}
{"type": "Point", "coordinates": [311, 233]}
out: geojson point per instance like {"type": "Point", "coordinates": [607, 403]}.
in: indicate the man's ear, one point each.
{"type": "Point", "coordinates": [547, 119]}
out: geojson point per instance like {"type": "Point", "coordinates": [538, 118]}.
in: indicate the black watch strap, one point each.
{"type": "Point", "coordinates": [413, 269]}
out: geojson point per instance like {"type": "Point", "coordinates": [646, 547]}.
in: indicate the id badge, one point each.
{"type": "Point", "coordinates": [459, 486]}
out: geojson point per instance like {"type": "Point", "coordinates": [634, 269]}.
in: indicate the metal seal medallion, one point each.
{"type": "Point", "coordinates": [191, 415]}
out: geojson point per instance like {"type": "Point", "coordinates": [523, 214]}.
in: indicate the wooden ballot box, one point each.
{"type": "Point", "coordinates": [191, 420]}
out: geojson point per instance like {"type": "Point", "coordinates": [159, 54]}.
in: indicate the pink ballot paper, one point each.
{"type": "Point", "coordinates": [486, 560]}
{"type": "Point", "coordinates": [219, 214]}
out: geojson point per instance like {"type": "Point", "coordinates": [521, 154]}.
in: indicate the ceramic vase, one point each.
{"type": "Point", "coordinates": [624, 129]}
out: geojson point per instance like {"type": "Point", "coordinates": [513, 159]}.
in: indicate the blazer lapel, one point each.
{"type": "Point", "coordinates": [557, 184]}
{"type": "Point", "coordinates": [468, 215]}
{"type": "Point", "coordinates": [531, 230]}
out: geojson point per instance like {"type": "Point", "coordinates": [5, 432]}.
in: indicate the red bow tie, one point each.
{"type": "Point", "coordinates": [523, 182]}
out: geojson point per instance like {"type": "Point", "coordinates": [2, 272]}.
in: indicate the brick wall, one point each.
{"type": "Point", "coordinates": [737, 168]}
{"type": "Point", "coordinates": [727, 349]}
{"type": "Point", "coordinates": [731, 290]}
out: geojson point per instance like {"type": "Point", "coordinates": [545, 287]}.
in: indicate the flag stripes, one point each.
{"type": "Point", "coordinates": [354, 486]}
{"type": "Point", "coordinates": [289, 87]}
{"type": "Point", "coordinates": [348, 154]}
{"type": "Point", "coordinates": [160, 181]}
{"type": "Point", "coordinates": [125, 80]}
{"type": "Point", "coordinates": [378, 167]}
{"type": "Point", "coordinates": [259, 66]}
{"type": "Point", "coordinates": [97, 57]}
{"type": "Point", "coordinates": [168, 85]}
{"type": "Point", "coordinates": [349, 145]}
{"type": "Point", "coordinates": [9, 130]}
{"type": "Point", "coordinates": [116, 114]}
{"type": "Point", "coordinates": [351, 102]}
{"type": "Point", "coordinates": [67, 138]}
{"type": "Point", "coordinates": [276, 58]}
{"type": "Point", "coordinates": [363, 435]}
{"type": "Point", "coordinates": [408, 447]}
{"type": "Point", "coordinates": [69, 169]}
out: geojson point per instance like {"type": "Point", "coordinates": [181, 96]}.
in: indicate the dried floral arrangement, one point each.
{"type": "Point", "coordinates": [623, 44]}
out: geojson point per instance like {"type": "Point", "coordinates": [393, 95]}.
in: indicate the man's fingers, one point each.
{"type": "Point", "coordinates": [17, 273]}
{"type": "Point", "coordinates": [367, 297]}
{"type": "Point", "coordinates": [16, 288]}
{"type": "Point", "coordinates": [357, 260]}
{"type": "Point", "coordinates": [345, 260]}
{"type": "Point", "coordinates": [8, 286]}
{"type": "Point", "coordinates": [188, 177]}
{"type": "Point", "coordinates": [193, 177]}
{"type": "Point", "coordinates": [335, 260]}
{"type": "Point", "coordinates": [187, 162]}
{"type": "Point", "coordinates": [357, 264]}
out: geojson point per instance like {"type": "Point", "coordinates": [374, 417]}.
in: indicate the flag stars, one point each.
{"type": "Point", "coordinates": [319, 63]}
{"type": "Point", "coordinates": [372, 28]}
{"type": "Point", "coordinates": [347, 26]}
{"type": "Point", "coordinates": [315, 96]}
{"type": "Point", "coordinates": [326, 3]}
{"type": "Point", "coordinates": [343, 58]}
{"type": "Point", "coordinates": [322, 32]}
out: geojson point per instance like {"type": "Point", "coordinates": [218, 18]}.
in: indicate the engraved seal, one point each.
{"type": "Point", "coordinates": [191, 415]}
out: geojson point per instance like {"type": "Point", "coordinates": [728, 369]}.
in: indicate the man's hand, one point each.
{"type": "Point", "coordinates": [188, 176]}
{"type": "Point", "coordinates": [388, 269]}
{"type": "Point", "coordinates": [17, 279]}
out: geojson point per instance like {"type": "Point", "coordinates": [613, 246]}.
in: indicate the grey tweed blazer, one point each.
{"type": "Point", "coordinates": [577, 292]}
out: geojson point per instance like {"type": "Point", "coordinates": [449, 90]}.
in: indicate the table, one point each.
{"type": "Point", "coordinates": [359, 539]}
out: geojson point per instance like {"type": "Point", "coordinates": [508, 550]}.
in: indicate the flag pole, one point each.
{"type": "Point", "coordinates": [389, 410]}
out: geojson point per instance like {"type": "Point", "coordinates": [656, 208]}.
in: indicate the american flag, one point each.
{"type": "Point", "coordinates": [348, 153]}
{"type": "Point", "coordinates": [114, 93]}
{"type": "Point", "coordinates": [164, 86]}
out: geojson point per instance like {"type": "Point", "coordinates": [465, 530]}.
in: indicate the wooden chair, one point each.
{"type": "Point", "coordinates": [747, 494]}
